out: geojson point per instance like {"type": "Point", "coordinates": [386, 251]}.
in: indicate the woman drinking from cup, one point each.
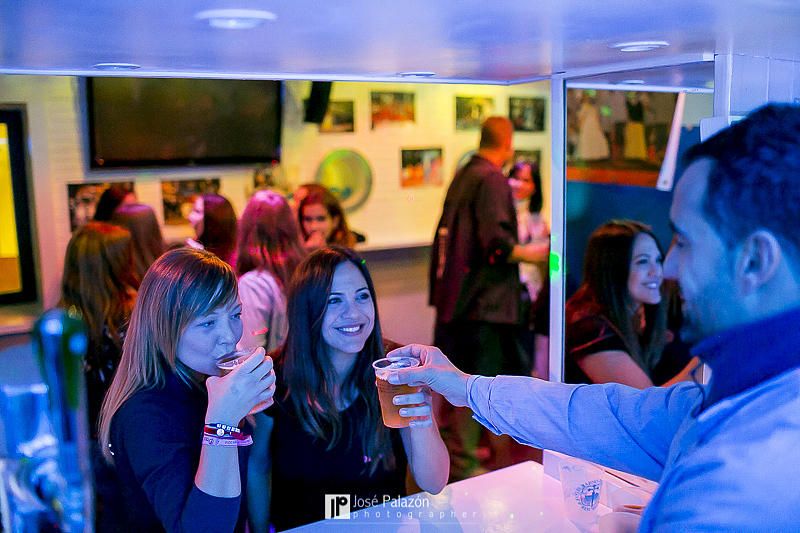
{"type": "Point", "coordinates": [327, 436]}
{"type": "Point", "coordinates": [171, 425]}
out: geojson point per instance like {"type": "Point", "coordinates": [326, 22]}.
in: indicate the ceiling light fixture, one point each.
{"type": "Point", "coordinates": [235, 19]}
{"type": "Point", "coordinates": [417, 74]}
{"type": "Point", "coordinates": [639, 46]}
{"type": "Point", "coordinates": [116, 66]}
{"type": "Point", "coordinates": [631, 82]}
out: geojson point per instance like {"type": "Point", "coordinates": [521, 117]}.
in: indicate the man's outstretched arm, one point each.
{"type": "Point", "coordinates": [610, 424]}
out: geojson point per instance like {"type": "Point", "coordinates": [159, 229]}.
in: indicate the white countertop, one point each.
{"type": "Point", "coordinates": [520, 498]}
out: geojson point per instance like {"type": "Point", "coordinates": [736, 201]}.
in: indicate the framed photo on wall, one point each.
{"type": "Point", "coordinates": [421, 167]}
{"type": "Point", "coordinates": [530, 156]}
{"type": "Point", "coordinates": [471, 111]}
{"type": "Point", "coordinates": [83, 198]}
{"type": "Point", "coordinates": [339, 118]}
{"type": "Point", "coordinates": [527, 114]}
{"type": "Point", "coordinates": [388, 107]}
{"type": "Point", "coordinates": [178, 197]}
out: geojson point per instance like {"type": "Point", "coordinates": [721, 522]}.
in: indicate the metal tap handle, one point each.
{"type": "Point", "coordinates": [60, 343]}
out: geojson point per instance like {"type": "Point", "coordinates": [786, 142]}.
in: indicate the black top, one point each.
{"type": "Point", "coordinates": [470, 276]}
{"type": "Point", "coordinates": [100, 365]}
{"type": "Point", "coordinates": [595, 333]}
{"type": "Point", "coordinates": [586, 336]}
{"type": "Point", "coordinates": [304, 471]}
{"type": "Point", "coordinates": [156, 438]}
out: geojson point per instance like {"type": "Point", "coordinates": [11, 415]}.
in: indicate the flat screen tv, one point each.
{"type": "Point", "coordinates": [155, 122]}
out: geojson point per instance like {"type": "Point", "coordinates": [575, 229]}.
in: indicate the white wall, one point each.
{"type": "Point", "coordinates": [391, 216]}
{"type": "Point", "coordinates": [395, 215]}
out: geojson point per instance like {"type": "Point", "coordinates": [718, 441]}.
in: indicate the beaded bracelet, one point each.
{"type": "Point", "coordinates": [221, 430]}
{"type": "Point", "coordinates": [225, 435]}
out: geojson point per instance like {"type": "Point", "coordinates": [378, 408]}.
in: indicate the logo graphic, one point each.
{"type": "Point", "coordinates": [587, 495]}
{"type": "Point", "coordinates": [337, 506]}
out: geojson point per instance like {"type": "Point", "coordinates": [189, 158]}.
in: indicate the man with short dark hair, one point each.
{"type": "Point", "coordinates": [474, 281]}
{"type": "Point", "coordinates": [726, 453]}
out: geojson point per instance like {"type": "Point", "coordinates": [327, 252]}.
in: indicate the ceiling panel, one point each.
{"type": "Point", "coordinates": [504, 41]}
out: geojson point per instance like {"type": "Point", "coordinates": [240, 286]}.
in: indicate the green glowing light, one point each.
{"type": "Point", "coordinates": [555, 263]}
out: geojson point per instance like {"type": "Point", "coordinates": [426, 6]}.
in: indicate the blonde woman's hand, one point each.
{"type": "Point", "coordinates": [248, 386]}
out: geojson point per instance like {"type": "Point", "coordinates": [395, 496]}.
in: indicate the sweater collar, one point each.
{"type": "Point", "coordinates": [752, 353]}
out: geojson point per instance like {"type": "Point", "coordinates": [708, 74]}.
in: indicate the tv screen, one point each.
{"type": "Point", "coordinates": [137, 122]}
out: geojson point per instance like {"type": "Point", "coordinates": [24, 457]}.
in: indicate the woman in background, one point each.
{"type": "Point", "coordinates": [617, 320]}
{"type": "Point", "coordinates": [148, 244]}
{"type": "Point", "coordinates": [269, 250]}
{"type": "Point", "coordinates": [526, 185]}
{"type": "Point", "coordinates": [327, 433]}
{"type": "Point", "coordinates": [322, 219]}
{"type": "Point", "coordinates": [99, 285]}
{"type": "Point", "coordinates": [171, 425]}
{"type": "Point", "coordinates": [214, 222]}
{"type": "Point", "coordinates": [113, 197]}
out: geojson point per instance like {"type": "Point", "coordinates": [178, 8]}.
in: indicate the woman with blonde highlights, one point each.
{"type": "Point", "coordinates": [169, 419]}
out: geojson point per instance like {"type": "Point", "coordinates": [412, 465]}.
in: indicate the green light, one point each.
{"type": "Point", "coordinates": [555, 264]}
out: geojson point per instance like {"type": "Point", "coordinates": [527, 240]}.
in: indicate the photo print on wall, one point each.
{"type": "Point", "coordinates": [527, 114]}
{"type": "Point", "coordinates": [471, 111]}
{"type": "Point", "coordinates": [389, 107]}
{"type": "Point", "coordinates": [83, 198]}
{"type": "Point", "coordinates": [339, 118]}
{"type": "Point", "coordinates": [421, 167]}
{"type": "Point", "coordinates": [178, 197]}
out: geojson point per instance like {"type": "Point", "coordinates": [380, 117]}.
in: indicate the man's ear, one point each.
{"type": "Point", "coordinates": [759, 260]}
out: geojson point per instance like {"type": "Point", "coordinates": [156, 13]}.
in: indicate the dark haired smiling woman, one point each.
{"type": "Point", "coordinates": [328, 436]}
{"type": "Point", "coordinates": [174, 424]}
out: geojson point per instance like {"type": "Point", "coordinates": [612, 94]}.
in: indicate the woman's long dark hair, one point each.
{"type": "Point", "coordinates": [219, 227]}
{"type": "Point", "coordinates": [307, 370]}
{"type": "Point", "coordinates": [268, 238]}
{"type": "Point", "coordinates": [98, 279]}
{"type": "Point", "coordinates": [536, 201]}
{"type": "Point", "coordinates": [604, 291]}
{"type": "Point", "coordinates": [148, 243]}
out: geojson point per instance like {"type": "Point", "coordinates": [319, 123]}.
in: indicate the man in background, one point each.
{"type": "Point", "coordinates": [475, 286]}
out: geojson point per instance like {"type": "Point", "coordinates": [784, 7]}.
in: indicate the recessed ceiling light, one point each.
{"type": "Point", "coordinates": [640, 46]}
{"type": "Point", "coordinates": [235, 19]}
{"type": "Point", "coordinates": [116, 66]}
{"type": "Point", "coordinates": [417, 74]}
{"type": "Point", "coordinates": [631, 82]}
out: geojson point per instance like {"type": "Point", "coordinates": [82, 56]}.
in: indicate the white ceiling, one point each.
{"type": "Point", "coordinates": [486, 41]}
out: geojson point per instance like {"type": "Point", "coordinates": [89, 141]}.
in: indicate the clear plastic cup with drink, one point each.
{"type": "Point", "coordinates": [230, 361]}
{"type": "Point", "coordinates": [387, 391]}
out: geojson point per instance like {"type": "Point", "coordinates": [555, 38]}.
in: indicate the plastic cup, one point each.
{"type": "Point", "coordinates": [582, 485]}
{"type": "Point", "coordinates": [619, 522]}
{"type": "Point", "coordinates": [386, 391]}
{"type": "Point", "coordinates": [230, 361]}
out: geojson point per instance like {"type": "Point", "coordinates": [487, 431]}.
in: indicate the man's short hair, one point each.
{"type": "Point", "coordinates": [495, 132]}
{"type": "Point", "coordinates": [755, 179]}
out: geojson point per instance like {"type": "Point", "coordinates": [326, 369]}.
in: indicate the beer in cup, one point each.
{"type": "Point", "coordinates": [386, 391]}
{"type": "Point", "coordinates": [230, 361]}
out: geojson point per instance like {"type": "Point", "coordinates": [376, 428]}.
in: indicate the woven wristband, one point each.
{"type": "Point", "coordinates": [210, 440]}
